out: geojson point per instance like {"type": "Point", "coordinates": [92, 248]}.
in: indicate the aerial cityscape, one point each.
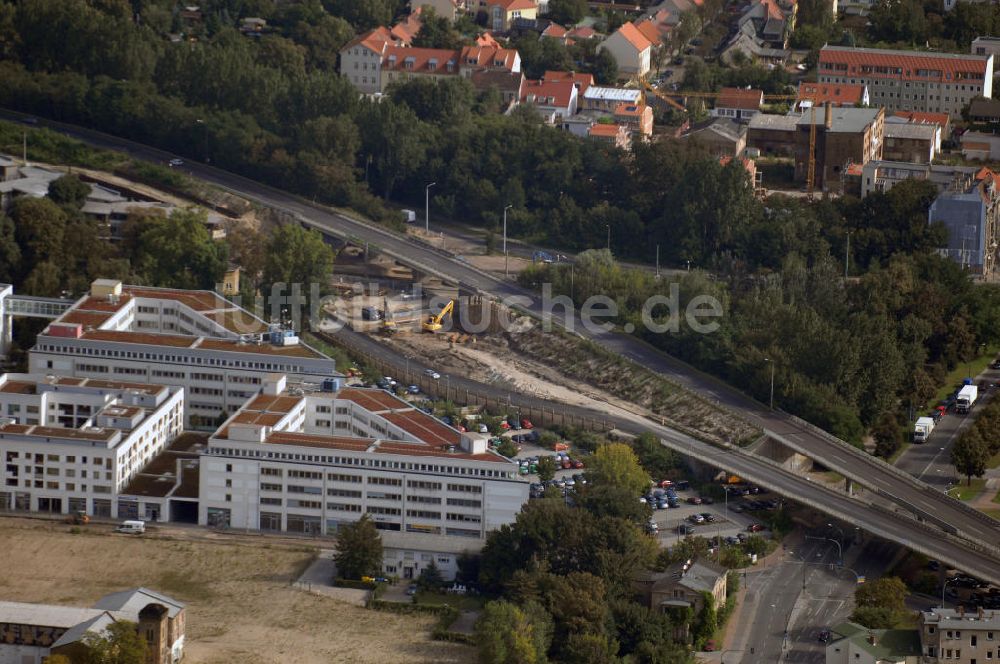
{"type": "Point", "coordinates": [499, 331]}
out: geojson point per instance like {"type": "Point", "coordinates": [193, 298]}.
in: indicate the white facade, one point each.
{"type": "Point", "coordinates": [74, 444]}
{"type": "Point", "coordinates": [632, 59]}
{"type": "Point", "coordinates": [309, 462]}
{"type": "Point", "coordinates": [196, 340]}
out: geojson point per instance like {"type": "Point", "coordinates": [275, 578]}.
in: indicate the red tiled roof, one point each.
{"type": "Point", "coordinates": [408, 28]}
{"type": "Point", "coordinates": [630, 110]}
{"type": "Point", "coordinates": [773, 10]}
{"type": "Point", "coordinates": [555, 31]}
{"type": "Point", "coordinates": [840, 94]}
{"type": "Point", "coordinates": [491, 57]}
{"type": "Point", "coordinates": [582, 79]}
{"type": "Point", "coordinates": [605, 130]}
{"type": "Point", "coordinates": [313, 440]}
{"type": "Point", "coordinates": [273, 404]}
{"type": "Point", "coordinates": [739, 98]}
{"type": "Point", "coordinates": [424, 427]}
{"type": "Point", "coordinates": [372, 400]}
{"type": "Point", "coordinates": [85, 318]}
{"type": "Point", "coordinates": [583, 32]}
{"type": "Point", "coordinates": [374, 40]}
{"type": "Point", "coordinates": [922, 117]}
{"type": "Point", "coordinates": [403, 58]}
{"type": "Point", "coordinates": [545, 93]}
{"type": "Point", "coordinates": [649, 31]}
{"type": "Point", "coordinates": [511, 5]}
{"type": "Point", "coordinates": [18, 387]}
{"type": "Point", "coordinates": [903, 64]}
{"type": "Point", "coordinates": [486, 39]}
{"type": "Point", "coordinates": [634, 37]}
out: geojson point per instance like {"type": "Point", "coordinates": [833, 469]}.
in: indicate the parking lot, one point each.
{"type": "Point", "coordinates": [721, 518]}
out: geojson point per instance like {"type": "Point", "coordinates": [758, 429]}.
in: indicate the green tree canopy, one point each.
{"type": "Point", "coordinates": [178, 251]}
{"type": "Point", "coordinates": [119, 643]}
{"type": "Point", "coordinates": [359, 549]}
{"type": "Point", "coordinates": [68, 190]}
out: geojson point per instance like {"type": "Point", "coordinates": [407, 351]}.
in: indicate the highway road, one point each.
{"type": "Point", "coordinates": [834, 454]}
{"type": "Point", "coordinates": [881, 522]}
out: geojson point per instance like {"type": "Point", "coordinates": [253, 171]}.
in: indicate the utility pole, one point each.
{"type": "Point", "coordinates": [847, 254]}
{"type": "Point", "coordinates": [506, 271]}
{"type": "Point", "coordinates": [427, 207]}
{"type": "Point", "coordinates": [657, 261]}
{"type": "Point", "coordinates": [772, 381]}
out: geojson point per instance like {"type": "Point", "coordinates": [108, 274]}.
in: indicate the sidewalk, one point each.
{"type": "Point", "coordinates": [318, 579]}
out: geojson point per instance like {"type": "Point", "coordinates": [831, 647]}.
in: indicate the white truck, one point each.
{"type": "Point", "coordinates": [922, 429]}
{"type": "Point", "coordinates": [966, 398]}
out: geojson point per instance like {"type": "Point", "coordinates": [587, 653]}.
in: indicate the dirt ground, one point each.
{"type": "Point", "coordinates": [239, 602]}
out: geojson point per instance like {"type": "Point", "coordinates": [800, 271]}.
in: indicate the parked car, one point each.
{"type": "Point", "coordinates": [696, 518]}
{"type": "Point", "coordinates": [755, 528]}
{"type": "Point", "coordinates": [824, 636]}
{"type": "Point", "coordinates": [412, 589]}
{"type": "Point", "coordinates": [433, 374]}
{"type": "Point", "coordinates": [707, 500]}
{"type": "Point", "coordinates": [684, 529]}
{"type": "Point", "coordinates": [174, 163]}
{"type": "Point", "coordinates": [526, 424]}
{"type": "Point", "coordinates": [413, 389]}
{"type": "Point", "coordinates": [708, 516]}
{"type": "Point", "coordinates": [694, 500]}
{"type": "Point", "coordinates": [577, 464]}
{"type": "Point", "coordinates": [483, 428]}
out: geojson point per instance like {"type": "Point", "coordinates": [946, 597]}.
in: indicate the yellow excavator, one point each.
{"type": "Point", "coordinates": [388, 327]}
{"type": "Point", "coordinates": [433, 323]}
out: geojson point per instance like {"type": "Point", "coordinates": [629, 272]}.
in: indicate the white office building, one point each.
{"type": "Point", "coordinates": [302, 461]}
{"type": "Point", "coordinates": [218, 352]}
{"type": "Point", "coordinates": [72, 444]}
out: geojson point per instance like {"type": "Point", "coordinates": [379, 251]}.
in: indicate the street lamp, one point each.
{"type": "Point", "coordinates": [427, 207]}
{"type": "Point", "coordinates": [772, 381]}
{"type": "Point", "coordinates": [945, 585]}
{"type": "Point", "coordinates": [840, 549]}
{"type": "Point", "coordinates": [506, 272]}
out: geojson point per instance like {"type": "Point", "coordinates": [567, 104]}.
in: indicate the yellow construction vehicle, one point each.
{"type": "Point", "coordinates": [388, 327]}
{"type": "Point", "coordinates": [433, 323]}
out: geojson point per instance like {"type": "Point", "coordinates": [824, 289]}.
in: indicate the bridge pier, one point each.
{"type": "Point", "coordinates": [6, 320]}
{"type": "Point", "coordinates": [849, 486]}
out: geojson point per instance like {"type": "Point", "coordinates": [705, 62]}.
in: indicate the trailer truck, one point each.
{"type": "Point", "coordinates": [922, 429]}
{"type": "Point", "coordinates": [966, 398]}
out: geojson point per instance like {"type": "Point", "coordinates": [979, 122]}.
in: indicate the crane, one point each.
{"type": "Point", "coordinates": [433, 322]}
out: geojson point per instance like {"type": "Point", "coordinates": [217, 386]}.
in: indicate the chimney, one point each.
{"type": "Point", "coordinates": [961, 610]}
{"type": "Point", "coordinates": [828, 120]}
{"type": "Point", "coordinates": [980, 612]}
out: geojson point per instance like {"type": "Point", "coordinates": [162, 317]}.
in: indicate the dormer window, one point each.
{"type": "Point", "coordinates": [432, 63]}
{"type": "Point", "coordinates": [451, 65]}
{"type": "Point", "coordinates": [409, 62]}
{"type": "Point", "coordinates": [392, 60]}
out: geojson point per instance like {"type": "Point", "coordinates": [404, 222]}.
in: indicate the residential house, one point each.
{"type": "Point", "coordinates": [772, 21]}
{"type": "Point", "coordinates": [582, 80]}
{"type": "Point", "coordinates": [773, 135]}
{"type": "Point", "coordinates": [957, 636]}
{"type": "Point", "coordinates": [984, 111]}
{"type": "Point", "coordinates": [501, 14]}
{"type": "Point", "coordinates": [377, 59]}
{"type": "Point", "coordinates": [638, 118]}
{"type": "Point", "coordinates": [253, 26]}
{"type": "Point", "coordinates": [851, 643]}
{"type": "Point", "coordinates": [653, 35]}
{"type": "Point", "coordinates": [487, 39]}
{"type": "Point", "coordinates": [34, 632]}
{"type": "Point", "coordinates": [616, 135]}
{"type": "Point", "coordinates": [906, 141]}
{"type": "Point", "coordinates": [971, 219]}
{"type": "Point", "coordinates": [738, 103]}
{"type": "Point", "coordinates": [839, 94]}
{"type": "Point", "coordinates": [601, 98]}
{"type": "Point", "coordinates": [857, 7]}
{"type": "Point", "coordinates": [555, 31]}
{"type": "Point", "coordinates": [986, 46]}
{"type": "Point", "coordinates": [581, 33]}
{"type": "Point", "coordinates": [406, 30]}
{"type": "Point", "coordinates": [552, 99]}
{"type": "Point", "coordinates": [976, 145]}
{"type": "Point", "coordinates": [510, 85]}
{"type": "Point", "coordinates": [910, 80]}
{"type": "Point", "coordinates": [881, 176]}
{"type": "Point", "coordinates": [722, 137]}
{"type": "Point", "coordinates": [630, 48]}
{"type": "Point", "coordinates": [747, 45]}
{"type": "Point", "coordinates": [8, 169]}
{"type": "Point", "coordinates": [446, 8]}
{"type": "Point", "coordinates": [683, 585]}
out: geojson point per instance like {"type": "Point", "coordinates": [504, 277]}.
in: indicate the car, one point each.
{"type": "Point", "coordinates": [710, 646]}
{"type": "Point", "coordinates": [682, 485]}
{"type": "Point", "coordinates": [433, 374]}
{"type": "Point", "coordinates": [413, 389]}
{"type": "Point", "coordinates": [526, 424]}
{"type": "Point", "coordinates": [642, 499]}
{"type": "Point", "coordinates": [995, 364]}
{"type": "Point", "coordinates": [694, 500]}
{"type": "Point", "coordinates": [696, 518]}
{"type": "Point", "coordinates": [577, 464]}
{"type": "Point", "coordinates": [824, 636]}
{"type": "Point", "coordinates": [460, 428]}
{"type": "Point", "coordinates": [742, 537]}
{"type": "Point", "coordinates": [684, 529]}
{"type": "Point", "coordinates": [483, 428]}
{"type": "Point", "coordinates": [707, 500]}
{"type": "Point", "coordinates": [29, 120]}
{"type": "Point", "coordinates": [412, 589]}
{"type": "Point", "coordinates": [662, 505]}
{"type": "Point", "coordinates": [561, 484]}
{"type": "Point", "coordinates": [801, 67]}
{"type": "Point", "coordinates": [755, 528]}
{"type": "Point", "coordinates": [174, 163]}
{"type": "Point", "coordinates": [566, 464]}
{"type": "Point", "coordinates": [732, 541]}
{"type": "Point", "coordinates": [570, 482]}
{"type": "Point", "coordinates": [708, 516]}
{"type": "Point", "coordinates": [504, 426]}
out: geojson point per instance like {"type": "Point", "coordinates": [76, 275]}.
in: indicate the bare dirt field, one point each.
{"type": "Point", "coordinates": [239, 602]}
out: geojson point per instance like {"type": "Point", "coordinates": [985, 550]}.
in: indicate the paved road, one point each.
{"type": "Point", "coordinates": [834, 454]}
{"type": "Point", "coordinates": [930, 462]}
{"type": "Point", "coordinates": [788, 604]}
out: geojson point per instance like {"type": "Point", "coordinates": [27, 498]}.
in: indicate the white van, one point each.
{"type": "Point", "coordinates": [134, 527]}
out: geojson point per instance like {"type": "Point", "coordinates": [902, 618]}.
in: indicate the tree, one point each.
{"type": "Point", "coordinates": [887, 434]}
{"type": "Point", "coordinates": [437, 32]}
{"type": "Point", "coordinates": [10, 251]}
{"type": "Point", "coordinates": [119, 643]}
{"type": "Point", "coordinates": [590, 648]}
{"type": "Point", "coordinates": [430, 577]}
{"type": "Point", "coordinates": [970, 454]}
{"type": "Point", "coordinates": [615, 464]}
{"type": "Point", "coordinates": [296, 255]}
{"type": "Point", "coordinates": [507, 448]}
{"type": "Point", "coordinates": [178, 251]}
{"type": "Point", "coordinates": [567, 12]}
{"type": "Point", "coordinates": [605, 67]}
{"type": "Point", "coordinates": [359, 549]}
{"type": "Point", "coordinates": [69, 191]}
{"type": "Point", "coordinates": [546, 468]}
{"type": "Point", "coordinates": [39, 225]}
{"type": "Point", "coordinates": [506, 634]}
{"type": "Point", "coordinates": [880, 604]}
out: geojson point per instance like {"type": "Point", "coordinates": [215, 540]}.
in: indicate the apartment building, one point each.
{"type": "Point", "coordinates": [302, 461]}
{"type": "Point", "coordinates": [956, 636]}
{"type": "Point", "coordinates": [986, 46]}
{"type": "Point", "coordinates": [972, 217]}
{"type": "Point", "coordinates": [883, 175]}
{"type": "Point", "coordinates": [217, 352]}
{"type": "Point", "coordinates": [72, 444]}
{"type": "Point", "coordinates": [910, 80]}
{"type": "Point", "coordinates": [376, 59]}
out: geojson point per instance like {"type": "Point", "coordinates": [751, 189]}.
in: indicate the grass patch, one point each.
{"type": "Point", "coordinates": [183, 586]}
{"type": "Point", "coordinates": [995, 514]}
{"type": "Point", "coordinates": [49, 146]}
{"type": "Point", "coordinates": [460, 602]}
{"type": "Point", "coordinates": [968, 491]}
{"type": "Point", "coordinates": [962, 371]}
{"type": "Point", "coordinates": [994, 461]}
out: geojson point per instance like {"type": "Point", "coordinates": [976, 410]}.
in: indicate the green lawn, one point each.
{"type": "Point", "coordinates": [460, 602]}
{"type": "Point", "coordinates": [993, 514]}
{"type": "Point", "coordinates": [962, 371]}
{"type": "Point", "coordinates": [968, 491]}
{"type": "Point", "coordinates": [996, 498]}
{"type": "Point", "coordinates": [994, 461]}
